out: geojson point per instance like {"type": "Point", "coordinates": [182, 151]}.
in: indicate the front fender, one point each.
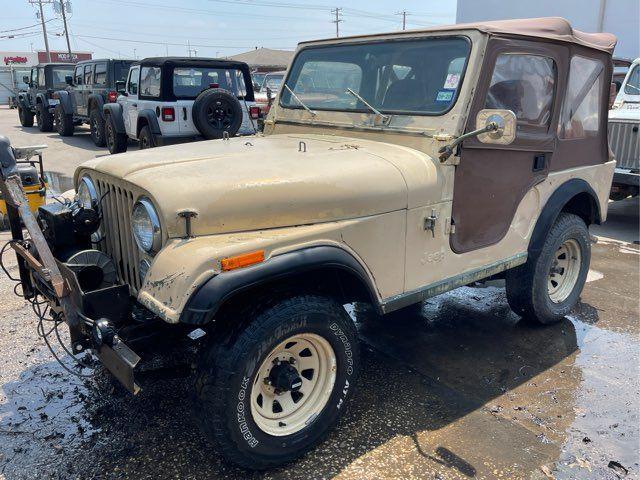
{"type": "Point", "coordinates": [23, 100]}
{"type": "Point", "coordinates": [114, 110]}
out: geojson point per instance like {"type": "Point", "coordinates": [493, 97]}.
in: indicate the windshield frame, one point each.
{"type": "Point", "coordinates": [404, 113]}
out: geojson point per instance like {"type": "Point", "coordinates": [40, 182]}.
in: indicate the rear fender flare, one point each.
{"type": "Point", "coordinates": [560, 199]}
{"type": "Point", "coordinates": [66, 101]}
{"type": "Point", "coordinates": [151, 119]}
{"type": "Point", "coordinates": [96, 101]}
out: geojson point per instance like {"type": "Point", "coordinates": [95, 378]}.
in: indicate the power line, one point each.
{"type": "Point", "coordinates": [337, 21]}
{"type": "Point", "coordinates": [148, 42]}
{"type": "Point", "coordinates": [24, 28]}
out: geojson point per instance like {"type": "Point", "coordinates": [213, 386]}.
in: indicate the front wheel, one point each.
{"type": "Point", "coordinates": [26, 117]}
{"type": "Point", "coordinates": [63, 122]}
{"type": "Point", "coordinates": [275, 389]}
{"type": "Point", "coordinates": [116, 142]}
{"type": "Point", "coordinates": [97, 128]}
{"type": "Point", "coordinates": [548, 286]}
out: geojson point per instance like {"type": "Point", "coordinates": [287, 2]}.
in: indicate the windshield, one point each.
{"type": "Point", "coordinates": [58, 74]}
{"type": "Point", "coordinates": [632, 87]}
{"type": "Point", "coordinates": [189, 82]}
{"type": "Point", "coordinates": [273, 82]}
{"type": "Point", "coordinates": [401, 76]}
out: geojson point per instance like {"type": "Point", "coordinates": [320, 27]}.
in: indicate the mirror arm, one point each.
{"type": "Point", "coordinates": [446, 151]}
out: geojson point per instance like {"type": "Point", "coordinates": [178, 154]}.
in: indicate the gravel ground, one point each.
{"type": "Point", "coordinates": [457, 389]}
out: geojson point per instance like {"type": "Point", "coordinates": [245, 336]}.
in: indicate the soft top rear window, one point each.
{"type": "Point", "coordinates": [188, 82]}
{"type": "Point", "coordinates": [420, 76]}
{"type": "Point", "coordinates": [58, 75]}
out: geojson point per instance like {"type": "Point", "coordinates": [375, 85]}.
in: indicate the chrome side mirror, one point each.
{"type": "Point", "coordinates": [505, 134]}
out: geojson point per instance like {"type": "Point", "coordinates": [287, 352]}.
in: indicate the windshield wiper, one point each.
{"type": "Point", "coordinates": [300, 101]}
{"type": "Point", "coordinates": [385, 118]}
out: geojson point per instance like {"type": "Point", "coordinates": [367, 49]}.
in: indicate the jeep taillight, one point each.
{"type": "Point", "coordinates": [168, 114]}
{"type": "Point", "coordinates": [254, 112]}
{"type": "Point", "coordinates": [112, 97]}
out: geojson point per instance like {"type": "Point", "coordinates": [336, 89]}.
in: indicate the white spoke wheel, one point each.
{"type": "Point", "coordinates": [293, 384]}
{"type": "Point", "coordinates": [564, 271]}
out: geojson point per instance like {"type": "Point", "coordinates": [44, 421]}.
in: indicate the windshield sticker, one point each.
{"type": "Point", "coordinates": [444, 96]}
{"type": "Point", "coordinates": [452, 80]}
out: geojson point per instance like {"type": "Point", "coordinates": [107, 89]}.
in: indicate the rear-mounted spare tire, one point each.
{"type": "Point", "coordinates": [216, 111]}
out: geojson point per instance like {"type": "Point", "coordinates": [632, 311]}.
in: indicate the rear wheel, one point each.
{"type": "Point", "coordinates": [146, 138]}
{"type": "Point", "coordinates": [548, 286]}
{"type": "Point", "coordinates": [44, 118]}
{"type": "Point", "coordinates": [273, 390]}
{"type": "Point", "coordinates": [97, 128]}
{"type": "Point", "coordinates": [116, 142]}
{"type": "Point", "coordinates": [63, 122]}
{"type": "Point", "coordinates": [26, 117]}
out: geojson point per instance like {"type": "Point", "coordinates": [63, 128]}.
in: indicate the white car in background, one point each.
{"type": "Point", "coordinates": [174, 99]}
{"type": "Point", "coordinates": [624, 138]}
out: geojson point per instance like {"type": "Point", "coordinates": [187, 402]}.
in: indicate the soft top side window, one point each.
{"type": "Point", "coordinates": [150, 81]}
{"type": "Point", "coordinates": [132, 84]}
{"type": "Point", "coordinates": [580, 117]}
{"type": "Point", "coordinates": [87, 74]}
{"type": "Point", "coordinates": [100, 75]}
{"type": "Point", "coordinates": [632, 87]}
{"type": "Point", "coordinates": [524, 84]}
{"type": "Point", "coordinates": [77, 76]}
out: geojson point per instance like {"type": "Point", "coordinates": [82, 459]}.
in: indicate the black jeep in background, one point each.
{"type": "Point", "coordinates": [89, 87]}
{"type": "Point", "coordinates": [38, 99]}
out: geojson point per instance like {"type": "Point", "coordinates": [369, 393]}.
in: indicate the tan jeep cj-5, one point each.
{"type": "Point", "coordinates": [392, 168]}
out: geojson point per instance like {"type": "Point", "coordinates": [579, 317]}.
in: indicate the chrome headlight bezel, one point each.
{"type": "Point", "coordinates": [154, 221]}
{"type": "Point", "coordinates": [86, 182]}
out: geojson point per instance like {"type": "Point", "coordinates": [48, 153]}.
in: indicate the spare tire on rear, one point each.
{"type": "Point", "coordinates": [216, 111]}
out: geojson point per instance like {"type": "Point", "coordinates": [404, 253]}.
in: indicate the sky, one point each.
{"type": "Point", "coordinates": [213, 28]}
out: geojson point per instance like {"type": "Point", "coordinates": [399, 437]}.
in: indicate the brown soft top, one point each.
{"type": "Point", "coordinates": [553, 28]}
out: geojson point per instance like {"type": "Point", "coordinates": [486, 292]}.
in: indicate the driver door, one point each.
{"type": "Point", "coordinates": [491, 180]}
{"type": "Point", "coordinates": [130, 104]}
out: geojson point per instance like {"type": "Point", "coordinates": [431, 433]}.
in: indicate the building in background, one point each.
{"type": "Point", "coordinates": [620, 17]}
{"type": "Point", "coordinates": [265, 59]}
{"type": "Point", "coordinates": [15, 65]}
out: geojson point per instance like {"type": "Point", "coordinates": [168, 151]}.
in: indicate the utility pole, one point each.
{"type": "Point", "coordinates": [337, 20]}
{"type": "Point", "coordinates": [404, 14]}
{"type": "Point", "coordinates": [44, 27]}
{"type": "Point", "coordinates": [66, 29]}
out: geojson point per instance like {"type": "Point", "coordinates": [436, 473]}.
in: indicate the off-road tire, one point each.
{"type": "Point", "coordinates": [63, 122]}
{"type": "Point", "coordinates": [26, 117]}
{"type": "Point", "coordinates": [116, 142]}
{"type": "Point", "coordinates": [227, 371]}
{"type": "Point", "coordinates": [527, 285]}
{"type": "Point", "coordinates": [97, 128]}
{"type": "Point", "coordinates": [146, 138]}
{"type": "Point", "coordinates": [205, 113]}
{"type": "Point", "coordinates": [44, 118]}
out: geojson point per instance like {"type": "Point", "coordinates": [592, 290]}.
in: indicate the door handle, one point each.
{"type": "Point", "coordinates": [184, 113]}
{"type": "Point", "coordinates": [539, 162]}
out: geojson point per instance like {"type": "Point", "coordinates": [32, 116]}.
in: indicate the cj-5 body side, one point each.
{"type": "Point", "coordinates": [328, 181]}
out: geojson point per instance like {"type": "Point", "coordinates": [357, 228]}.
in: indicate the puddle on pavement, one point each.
{"type": "Point", "coordinates": [458, 388]}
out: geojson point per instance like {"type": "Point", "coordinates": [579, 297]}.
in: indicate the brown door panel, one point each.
{"type": "Point", "coordinates": [489, 186]}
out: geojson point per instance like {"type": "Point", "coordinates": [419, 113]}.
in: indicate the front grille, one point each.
{"type": "Point", "coordinates": [624, 140]}
{"type": "Point", "coordinates": [118, 241]}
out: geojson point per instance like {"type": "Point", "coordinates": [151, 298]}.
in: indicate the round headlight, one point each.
{"type": "Point", "coordinates": [87, 193]}
{"type": "Point", "coordinates": [146, 226]}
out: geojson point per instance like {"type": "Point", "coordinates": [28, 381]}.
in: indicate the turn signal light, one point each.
{"type": "Point", "coordinates": [254, 112]}
{"type": "Point", "coordinates": [243, 260]}
{"type": "Point", "coordinates": [168, 114]}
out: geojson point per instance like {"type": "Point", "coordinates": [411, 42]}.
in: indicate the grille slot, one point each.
{"type": "Point", "coordinates": [118, 242]}
{"type": "Point", "coordinates": [625, 144]}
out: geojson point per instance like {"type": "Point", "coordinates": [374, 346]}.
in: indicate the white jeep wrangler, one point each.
{"type": "Point", "coordinates": [170, 99]}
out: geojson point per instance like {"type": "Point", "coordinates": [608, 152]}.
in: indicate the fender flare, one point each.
{"type": "Point", "coordinates": [42, 98]}
{"type": "Point", "coordinates": [23, 100]}
{"type": "Point", "coordinates": [555, 204]}
{"type": "Point", "coordinates": [205, 302]}
{"type": "Point", "coordinates": [66, 101]}
{"type": "Point", "coordinates": [115, 111]}
{"type": "Point", "coordinates": [98, 101]}
{"type": "Point", "coordinates": [152, 120]}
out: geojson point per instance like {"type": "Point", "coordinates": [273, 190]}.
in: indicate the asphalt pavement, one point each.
{"type": "Point", "coordinates": [459, 388]}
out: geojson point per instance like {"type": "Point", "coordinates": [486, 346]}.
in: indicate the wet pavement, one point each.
{"type": "Point", "coordinates": [457, 389]}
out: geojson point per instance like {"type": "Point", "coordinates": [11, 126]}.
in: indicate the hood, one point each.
{"type": "Point", "coordinates": [254, 183]}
